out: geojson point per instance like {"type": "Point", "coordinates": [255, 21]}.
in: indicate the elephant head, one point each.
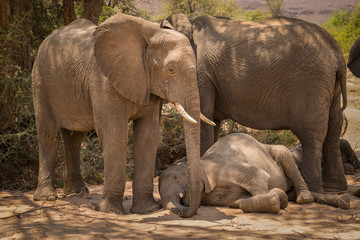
{"type": "Point", "coordinates": [141, 59]}
{"type": "Point", "coordinates": [173, 186]}
{"type": "Point", "coordinates": [354, 58]}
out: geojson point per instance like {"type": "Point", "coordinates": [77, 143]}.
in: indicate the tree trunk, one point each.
{"type": "Point", "coordinates": [68, 11]}
{"type": "Point", "coordinates": [92, 10]}
{"type": "Point", "coordinates": [5, 11]}
{"type": "Point", "coordinates": [18, 12]}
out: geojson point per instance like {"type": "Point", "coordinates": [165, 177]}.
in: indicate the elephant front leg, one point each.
{"type": "Point", "coordinates": [114, 138]}
{"type": "Point", "coordinates": [146, 139]}
{"type": "Point", "coordinates": [283, 156]}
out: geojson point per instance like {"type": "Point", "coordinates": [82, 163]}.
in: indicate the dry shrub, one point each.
{"type": "Point", "coordinates": [275, 7]}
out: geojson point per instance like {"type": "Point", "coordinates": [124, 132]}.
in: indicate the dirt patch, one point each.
{"type": "Point", "coordinates": [74, 217]}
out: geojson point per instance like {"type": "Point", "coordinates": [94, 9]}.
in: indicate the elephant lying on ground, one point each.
{"type": "Point", "coordinates": [279, 73]}
{"type": "Point", "coordinates": [349, 159]}
{"type": "Point", "coordinates": [238, 171]}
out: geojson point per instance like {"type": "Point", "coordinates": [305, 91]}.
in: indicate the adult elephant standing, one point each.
{"type": "Point", "coordinates": [280, 73]}
{"type": "Point", "coordinates": [88, 77]}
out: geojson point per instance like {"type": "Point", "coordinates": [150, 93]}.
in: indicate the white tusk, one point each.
{"type": "Point", "coordinates": [181, 195]}
{"type": "Point", "coordinates": [206, 120]}
{"type": "Point", "coordinates": [183, 113]}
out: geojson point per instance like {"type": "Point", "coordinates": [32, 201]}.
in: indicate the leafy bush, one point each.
{"type": "Point", "coordinates": [18, 141]}
{"type": "Point", "coordinates": [283, 137]}
{"type": "Point", "coordinates": [344, 26]}
{"type": "Point", "coordinates": [223, 8]}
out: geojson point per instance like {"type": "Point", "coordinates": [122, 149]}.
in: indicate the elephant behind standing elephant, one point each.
{"type": "Point", "coordinates": [280, 73]}
{"type": "Point", "coordinates": [87, 77]}
{"type": "Point", "coordinates": [238, 171]}
{"type": "Point", "coordinates": [354, 58]}
{"type": "Point", "coordinates": [348, 156]}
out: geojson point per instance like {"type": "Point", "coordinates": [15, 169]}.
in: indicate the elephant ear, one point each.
{"type": "Point", "coordinates": [119, 45]}
{"type": "Point", "coordinates": [354, 58]}
{"type": "Point", "coordinates": [166, 24]}
{"type": "Point", "coordinates": [181, 23]}
{"type": "Point", "coordinates": [210, 173]}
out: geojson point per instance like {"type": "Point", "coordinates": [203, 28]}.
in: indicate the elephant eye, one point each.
{"type": "Point", "coordinates": [171, 70]}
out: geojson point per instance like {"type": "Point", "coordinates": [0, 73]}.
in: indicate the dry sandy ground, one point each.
{"type": "Point", "coordinates": [73, 217]}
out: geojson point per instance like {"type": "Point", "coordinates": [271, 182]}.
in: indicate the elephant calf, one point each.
{"type": "Point", "coordinates": [238, 171]}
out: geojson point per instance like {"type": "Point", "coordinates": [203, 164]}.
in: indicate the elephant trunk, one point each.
{"type": "Point", "coordinates": [192, 142]}
{"type": "Point", "coordinates": [172, 203]}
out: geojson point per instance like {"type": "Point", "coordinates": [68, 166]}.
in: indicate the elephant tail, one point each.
{"type": "Point", "coordinates": [341, 77]}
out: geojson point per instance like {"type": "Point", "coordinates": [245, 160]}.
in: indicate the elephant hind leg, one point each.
{"type": "Point", "coordinates": [333, 172]}
{"type": "Point", "coordinates": [72, 176]}
{"type": "Point", "coordinates": [48, 137]}
{"type": "Point", "coordinates": [270, 202]}
{"type": "Point", "coordinates": [312, 143]}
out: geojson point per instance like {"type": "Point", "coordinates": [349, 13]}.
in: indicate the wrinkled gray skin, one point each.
{"type": "Point", "coordinates": [276, 74]}
{"type": "Point", "coordinates": [87, 77]}
{"type": "Point", "coordinates": [238, 171]}
{"type": "Point", "coordinates": [348, 156]}
{"type": "Point", "coordinates": [354, 58]}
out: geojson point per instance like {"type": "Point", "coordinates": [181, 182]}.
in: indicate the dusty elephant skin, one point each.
{"type": "Point", "coordinates": [354, 58]}
{"type": "Point", "coordinates": [87, 77]}
{"type": "Point", "coordinates": [349, 159]}
{"type": "Point", "coordinates": [276, 74]}
{"type": "Point", "coordinates": [239, 172]}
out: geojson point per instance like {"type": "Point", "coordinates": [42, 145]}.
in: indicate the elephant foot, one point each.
{"type": "Point", "coordinates": [145, 207]}
{"type": "Point", "coordinates": [344, 201]}
{"type": "Point", "coordinates": [304, 196]}
{"type": "Point", "coordinates": [339, 201]}
{"type": "Point", "coordinates": [282, 197]}
{"type": "Point", "coordinates": [334, 185]}
{"type": "Point", "coordinates": [264, 203]}
{"type": "Point", "coordinates": [107, 206]}
{"type": "Point", "coordinates": [348, 169]}
{"type": "Point", "coordinates": [45, 193]}
{"type": "Point", "coordinates": [75, 188]}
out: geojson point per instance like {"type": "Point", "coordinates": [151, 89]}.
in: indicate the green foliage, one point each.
{"type": "Point", "coordinates": [108, 10]}
{"type": "Point", "coordinates": [344, 26]}
{"type": "Point", "coordinates": [172, 145]}
{"type": "Point", "coordinates": [18, 141]}
{"type": "Point", "coordinates": [283, 137]}
{"type": "Point", "coordinates": [252, 15]}
{"type": "Point", "coordinates": [219, 8]}
{"type": "Point", "coordinates": [92, 160]}
{"type": "Point", "coordinates": [275, 7]}
{"type": "Point", "coordinates": [194, 8]}
{"type": "Point", "coordinates": [46, 18]}
{"type": "Point", "coordinates": [128, 7]}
